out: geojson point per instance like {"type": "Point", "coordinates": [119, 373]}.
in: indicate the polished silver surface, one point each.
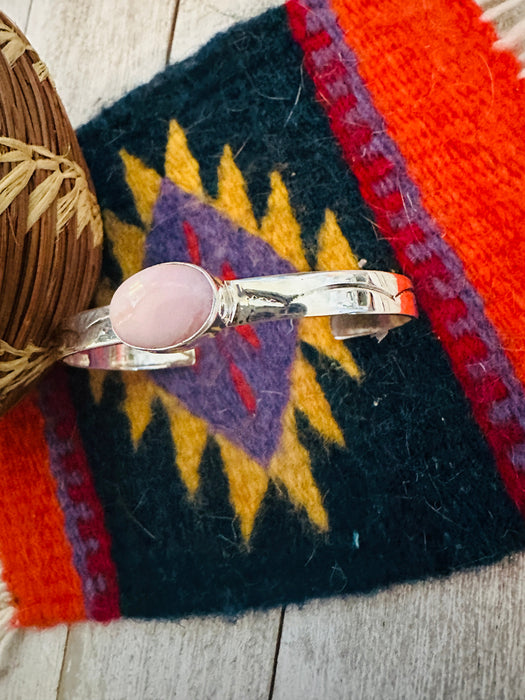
{"type": "Point", "coordinates": [359, 302]}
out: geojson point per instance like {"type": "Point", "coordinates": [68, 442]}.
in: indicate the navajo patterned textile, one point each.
{"type": "Point", "coordinates": [323, 135]}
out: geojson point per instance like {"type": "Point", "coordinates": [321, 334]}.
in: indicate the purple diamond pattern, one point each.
{"type": "Point", "coordinates": [239, 387]}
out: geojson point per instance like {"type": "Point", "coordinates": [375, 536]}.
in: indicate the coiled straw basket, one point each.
{"type": "Point", "coordinates": [50, 225]}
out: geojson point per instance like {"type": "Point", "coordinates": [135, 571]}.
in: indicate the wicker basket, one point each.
{"type": "Point", "coordinates": [50, 225]}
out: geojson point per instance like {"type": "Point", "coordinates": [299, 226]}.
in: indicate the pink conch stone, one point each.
{"type": "Point", "coordinates": [161, 306]}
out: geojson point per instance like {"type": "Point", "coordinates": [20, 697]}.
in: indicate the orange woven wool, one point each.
{"type": "Point", "coordinates": [454, 106]}
{"type": "Point", "coordinates": [35, 554]}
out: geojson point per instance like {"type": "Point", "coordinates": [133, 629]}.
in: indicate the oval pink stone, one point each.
{"type": "Point", "coordinates": [161, 306]}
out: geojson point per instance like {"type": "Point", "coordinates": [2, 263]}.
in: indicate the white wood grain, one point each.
{"type": "Point", "coordinates": [31, 665]}
{"type": "Point", "coordinates": [16, 10]}
{"type": "Point", "coordinates": [96, 51]}
{"type": "Point", "coordinates": [194, 658]}
{"type": "Point", "coordinates": [460, 637]}
{"type": "Point", "coordinates": [199, 21]}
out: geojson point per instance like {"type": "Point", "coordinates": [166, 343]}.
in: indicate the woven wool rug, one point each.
{"type": "Point", "coordinates": [328, 134]}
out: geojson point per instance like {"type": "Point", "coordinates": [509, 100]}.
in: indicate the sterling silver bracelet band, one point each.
{"type": "Point", "coordinates": [358, 302]}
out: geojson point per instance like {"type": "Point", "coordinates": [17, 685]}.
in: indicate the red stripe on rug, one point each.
{"type": "Point", "coordinates": [464, 331]}
{"type": "Point", "coordinates": [455, 108]}
{"type": "Point", "coordinates": [84, 515]}
{"type": "Point", "coordinates": [36, 555]}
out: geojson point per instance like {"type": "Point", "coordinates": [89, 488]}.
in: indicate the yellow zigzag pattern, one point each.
{"type": "Point", "coordinates": [290, 467]}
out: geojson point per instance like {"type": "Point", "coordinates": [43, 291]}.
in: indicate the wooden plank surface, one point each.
{"type": "Point", "coordinates": [96, 51]}
{"type": "Point", "coordinates": [460, 638]}
{"type": "Point", "coordinates": [198, 21]}
{"type": "Point", "coordinates": [17, 11]}
{"type": "Point", "coordinates": [31, 664]}
{"type": "Point", "coordinates": [197, 658]}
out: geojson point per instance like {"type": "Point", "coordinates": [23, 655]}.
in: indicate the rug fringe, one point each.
{"type": "Point", "coordinates": [7, 614]}
{"type": "Point", "coordinates": [508, 18]}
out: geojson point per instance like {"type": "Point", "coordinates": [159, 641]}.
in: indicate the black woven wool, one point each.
{"type": "Point", "coordinates": [415, 491]}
